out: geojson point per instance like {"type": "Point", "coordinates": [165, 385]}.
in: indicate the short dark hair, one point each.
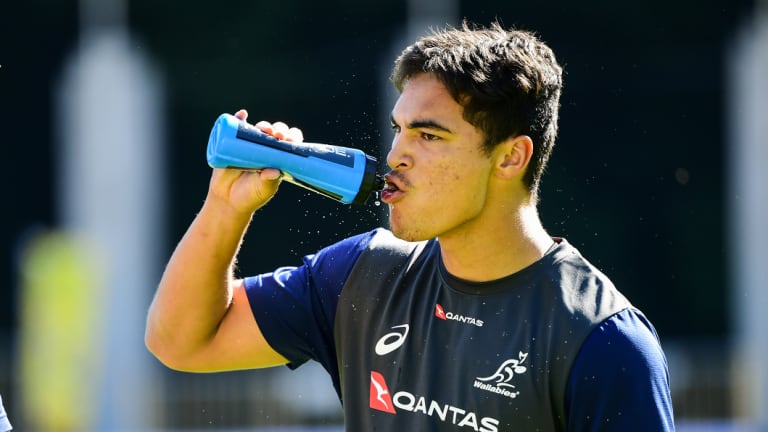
{"type": "Point", "coordinates": [507, 81]}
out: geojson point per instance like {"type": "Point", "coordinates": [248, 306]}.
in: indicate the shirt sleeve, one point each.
{"type": "Point", "coordinates": [620, 380]}
{"type": "Point", "coordinates": [295, 307]}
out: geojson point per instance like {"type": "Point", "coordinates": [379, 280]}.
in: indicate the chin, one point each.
{"type": "Point", "coordinates": [409, 228]}
{"type": "Point", "coordinates": [408, 234]}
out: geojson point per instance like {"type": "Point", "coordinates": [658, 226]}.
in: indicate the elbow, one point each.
{"type": "Point", "coordinates": [153, 344]}
{"type": "Point", "coordinates": [163, 350]}
{"type": "Point", "coordinates": [173, 352]}
{"type": "Point", "coordinates": [156, 346]}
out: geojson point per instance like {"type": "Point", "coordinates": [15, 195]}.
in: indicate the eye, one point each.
{"type": "Point", "coordinates": [395, 127]}
{"type": "Point", "coordinates": [429, 137]}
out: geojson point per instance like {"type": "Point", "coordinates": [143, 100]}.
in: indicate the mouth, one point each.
{"type": "Point", "coordinates": [392, 189]}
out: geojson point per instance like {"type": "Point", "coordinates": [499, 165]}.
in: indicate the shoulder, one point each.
{"type": "Point", "coordinates": [338, 258]}
{"type": "Point", "coordinates": [326, 270]}
{"type": "Point", "coordinates": [628, 339]}
{"type": "Point", "coordinates": [352, 247]}
{"type": "Point", "coordinates": [380, 249]}
{"type": "Point", "coordinates": [620, 375]}
{"type": "Point", "coordinates": [383, 258]}
{"type": "Point", "coordinates": [584, 290]}
{"type": "Point", "coordinates": [578, 270]}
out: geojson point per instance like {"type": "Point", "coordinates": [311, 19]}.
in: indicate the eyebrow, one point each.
{"type": "Point", "coordinates": [427, 124]}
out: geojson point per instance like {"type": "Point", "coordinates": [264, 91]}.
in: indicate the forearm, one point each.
{"type": "Point", "coordinates": [195, 290]}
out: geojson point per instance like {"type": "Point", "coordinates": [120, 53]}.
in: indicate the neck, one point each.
{"type": "Point", "coordinates": [488, 251]}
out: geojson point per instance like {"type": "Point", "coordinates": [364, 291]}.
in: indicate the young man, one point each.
{"type": "Point", "coordinates": [467, 315]}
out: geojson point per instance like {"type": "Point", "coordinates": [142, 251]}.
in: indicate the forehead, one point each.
{"type": "Point", "coordinates": [424, 96]}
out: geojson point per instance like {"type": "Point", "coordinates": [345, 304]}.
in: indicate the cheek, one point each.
{"type": "Point", "coordinates": [449, 171]}
{"type": "Point", "coordinates": [466, 178]}
{"type": "Point", "coordinates": [453, 194]}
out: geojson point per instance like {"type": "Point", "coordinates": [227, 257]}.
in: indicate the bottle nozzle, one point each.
{"type": "Point", "coordinates": [380, 182]}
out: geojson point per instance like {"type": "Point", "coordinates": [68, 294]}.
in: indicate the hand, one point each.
{"type": "Point", "coordinates": [247, 191]}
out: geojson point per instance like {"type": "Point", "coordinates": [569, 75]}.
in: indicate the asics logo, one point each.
{"type": "Point", "coordinates": [392, 341]}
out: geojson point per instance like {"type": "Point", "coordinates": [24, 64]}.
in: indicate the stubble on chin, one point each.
{"type": "Point", "coordinates": [403, 228]}
{"type": "Point", "coordinates": [404, 233]}
{"type": "Point", "coordinates": [397, 230]}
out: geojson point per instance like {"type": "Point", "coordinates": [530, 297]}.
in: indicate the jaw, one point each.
{"type": "Point", "coordinates": [399, 225]}
{"type": "Point", "coordinates": [430, 221]}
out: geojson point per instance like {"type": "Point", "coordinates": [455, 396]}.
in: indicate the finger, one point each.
{"type": "Point", "coordinates": [242, 114]}
{"type": "Point", "coordinates": [266, 127]}
{"type": "Point", "coordinates": [295, 135]}
{"type": "Point", "coordinates": [280, 130]}
{"type": "Point", "coordinates": [270, 174]}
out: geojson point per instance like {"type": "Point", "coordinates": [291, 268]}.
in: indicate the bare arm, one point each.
{"type": "Point", "coordinates": [200, 318]}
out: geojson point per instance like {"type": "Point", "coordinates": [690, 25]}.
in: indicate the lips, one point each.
{"type": "Point", "coordinates": [392, 188]}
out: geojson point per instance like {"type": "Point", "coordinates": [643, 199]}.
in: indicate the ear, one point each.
{"type": "Point", "coordinates": [513, 156]}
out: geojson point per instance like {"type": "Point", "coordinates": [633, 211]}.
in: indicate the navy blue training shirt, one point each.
{"type": "Point", "coordinates": [552, 347]}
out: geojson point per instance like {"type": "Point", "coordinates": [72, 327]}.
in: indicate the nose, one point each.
{"type": "Point", "coordinates": [398, 156]}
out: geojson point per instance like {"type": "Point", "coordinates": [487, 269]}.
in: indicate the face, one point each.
{"type": "Point", "coordinates": [439, 180]}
